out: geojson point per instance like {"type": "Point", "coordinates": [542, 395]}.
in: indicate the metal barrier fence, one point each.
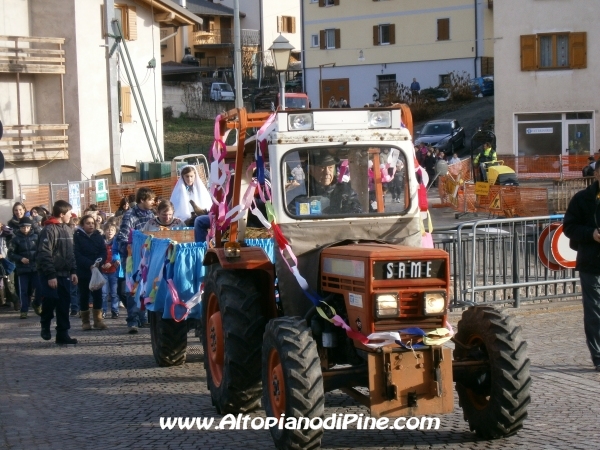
{"type": "Point", "coordinates": [497, 261]}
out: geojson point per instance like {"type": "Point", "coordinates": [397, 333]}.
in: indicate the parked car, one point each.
{"type": "Point", "coordinates": [482, 85]}
{"type": "Point", "coordinates": [444, 134]}
{"type": "Point", "coordinates": [221, 92]}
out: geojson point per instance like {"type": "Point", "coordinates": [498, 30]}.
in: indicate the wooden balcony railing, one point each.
{"type": "Point", "coordinates": [34, 142]}
{"type": "Point", "coordinates": [26, 54]}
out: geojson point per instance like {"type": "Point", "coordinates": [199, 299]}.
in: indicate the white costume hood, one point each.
{"type": "Point", "coordinates": [181, 196]}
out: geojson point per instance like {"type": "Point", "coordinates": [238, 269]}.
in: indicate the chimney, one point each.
{"type": "Point", "coordinates": [183, 3]}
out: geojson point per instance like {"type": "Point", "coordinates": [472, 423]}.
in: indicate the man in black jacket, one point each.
{"type": "Point", "coordinates": [57, 269]}
{"type": "Point", "coordinates": [582, 227]}
{"type": "Point", "coordinates": [322, 182]}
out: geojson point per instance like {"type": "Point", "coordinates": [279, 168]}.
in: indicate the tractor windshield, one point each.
{"type": "Point", "coordinates": [345, 181]}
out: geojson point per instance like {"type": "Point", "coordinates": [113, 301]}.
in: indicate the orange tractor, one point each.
{"type": "Point", "coordinates": [351, 300]}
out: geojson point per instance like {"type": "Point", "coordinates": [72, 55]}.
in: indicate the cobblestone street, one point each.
{"type": "Point", "coordinates": [107, 392]}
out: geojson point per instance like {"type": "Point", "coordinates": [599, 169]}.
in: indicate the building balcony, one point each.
{"type": "Point", "coordinates": [26, 54]}
{"type": "Point", "coordinates": [224, 36]}
{"type": "Point", "coordinates": [35, 142]}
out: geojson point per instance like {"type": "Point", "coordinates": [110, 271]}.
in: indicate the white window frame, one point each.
{"type": "Point", "coordinates": [314, 40]}
{"type": "Point", "coordinates": [330, 38]}
{"type": "Point", "coordinates": [381, 42]}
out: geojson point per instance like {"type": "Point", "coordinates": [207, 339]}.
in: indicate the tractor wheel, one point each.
{"type": "Point", "coordinates": [232, 332]}
{"type": "Point", "coordinates": [292, 381]}
{"type": "Point", "coordinates": [169, 340]}
{"type": "Point", "coordinates": [494, 402]}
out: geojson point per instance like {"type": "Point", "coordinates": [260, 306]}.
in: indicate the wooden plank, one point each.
{"type": "Point", "coordinates": [14, 147]}
{"type": "Point", "coordinates": [47, 51]}
{"type": "Point", "coordinates": [27, 137]}
{"type": "Point", "coordinates": [46, 40]}
{"type": "Point", "coordinates": [31, 68]}
{"type": "Point", "coordinates": [37, 127]}
{"type": "Point", "coordinates": [37, 156]}
{"type": "Point", "coordinates": [26, 59]}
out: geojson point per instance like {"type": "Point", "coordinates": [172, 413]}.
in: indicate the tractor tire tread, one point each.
{"type": "Point", "coordinates": [303, 383]}
{"type": "Point", "coordinates": [169, 340]}
{"type": "Point", "coordinates": [506, 409]}
{"type": "Point", "coordinates": [243, 325]}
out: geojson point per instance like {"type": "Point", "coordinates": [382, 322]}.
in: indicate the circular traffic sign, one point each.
{"type": "Point", "coordinates": [544, 250]}
{"type": "Point", "coordinates": [561, 251]}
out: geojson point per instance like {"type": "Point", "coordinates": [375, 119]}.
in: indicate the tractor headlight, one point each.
{"type": "Point", "coordinates": [380, 119]}
{"type": "Point", "coordinates": [300, 122]}
{"type": "Point", "coordinates": [434, 302]}
{"type": "Point", "coordinates": [386, 305]}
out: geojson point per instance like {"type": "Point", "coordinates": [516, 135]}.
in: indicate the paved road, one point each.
{"type": "Point", "coordinates": [107, 392]}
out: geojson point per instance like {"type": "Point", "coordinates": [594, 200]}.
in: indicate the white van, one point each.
{"type": "Point", "coordinates": [221, 92]}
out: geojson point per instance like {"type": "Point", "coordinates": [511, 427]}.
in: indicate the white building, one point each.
{"type": "Point", "coordinates": [547, 77]}
{"type": "Point", "coordinates": [55, 90]}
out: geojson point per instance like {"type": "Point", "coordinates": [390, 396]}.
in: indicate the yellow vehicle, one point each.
{"type": "Point", "coordinates": [498, 173]}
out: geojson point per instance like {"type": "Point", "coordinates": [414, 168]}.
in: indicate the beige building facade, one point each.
{"type": "Point", "coordinates": [378, 43]}
{"type": "Point", "coordinates": [546, 79]}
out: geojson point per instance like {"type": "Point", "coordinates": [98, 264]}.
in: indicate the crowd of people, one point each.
{"type": "Point", "coordinates": [48, 257]}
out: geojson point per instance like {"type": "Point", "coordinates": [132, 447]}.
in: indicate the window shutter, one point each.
{"type": "Point", "coordinates": [279, 24]}
{"type": "Point", "coordinates": [578, 50]}
{"type": "Point", "coordinates": [321, 3]}
{"type": "Point", "coordinates": [529, 52]}
{"type": "Point", "coordinates": [392, 33]}
{"type": "Point", "coordinates": [375, 34]}
{"type": "Point", "coordinates": [336, 3]}
{"type": "Point", "coordinates": [322, 43]}
{"type": "Point", "coordinates": [125, 104]}
{"type": "Point", "coordinates": [293, 25]}
{"type": "Point", "coordinates": [337, 38]}
{"type": "Point", "coordinates": [131, 23]}
{"type": "Point", "coordinates": [443, 26]}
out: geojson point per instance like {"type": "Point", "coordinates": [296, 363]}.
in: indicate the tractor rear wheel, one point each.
{"type": "Point", "coordinates": [292, 381]}
{"type": "Point", "coordinates": [169, 340]}
{"type": "Point", "coordinates": [494, 400]}
{"type": "Point", "coordinates": [232, 331]}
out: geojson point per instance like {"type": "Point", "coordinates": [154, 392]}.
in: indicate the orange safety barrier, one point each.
{"type": "Point", "coordinates": [162, 188]}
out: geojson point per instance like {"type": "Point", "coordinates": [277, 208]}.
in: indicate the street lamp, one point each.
{"type": "Point", "coordinates": [281, 50]}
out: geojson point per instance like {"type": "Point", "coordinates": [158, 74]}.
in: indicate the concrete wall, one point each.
{"type": "Point", "coordinates": [173, 96]}
{"type": "Point", "coordinates": [543, 90]}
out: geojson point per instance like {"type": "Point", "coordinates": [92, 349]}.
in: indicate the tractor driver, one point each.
{"type": "Point", "coordinates": [485, 157]}
{"type": "Point", "coordinates": [323, 182]}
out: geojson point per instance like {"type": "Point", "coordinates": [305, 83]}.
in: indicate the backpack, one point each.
{"type": "Point", "coordinates": [588, 171]}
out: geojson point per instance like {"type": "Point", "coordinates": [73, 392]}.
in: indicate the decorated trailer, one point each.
{"type": "Point", "coordinates": [342, 294]}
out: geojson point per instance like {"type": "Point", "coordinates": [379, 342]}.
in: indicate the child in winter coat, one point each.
{"type": "Point", "coordinates": [110, 270]}
{"type": "Point", "coordinates": [22, 250]}
{"type": "Point", "coordinates": [89, 247]}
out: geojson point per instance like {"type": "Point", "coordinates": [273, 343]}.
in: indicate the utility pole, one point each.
{"type": "Point", "coordinates": [237, 55]}
{"type": "Point", "coordinates": [112, 83]}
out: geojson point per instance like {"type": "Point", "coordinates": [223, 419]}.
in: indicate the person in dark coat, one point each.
{"type": "Point", "coordinates": [89, 247]}
{"type": "Point", "coordinates": [323, 182]}
{"type": "Point", "coordinates": [57, 269]}
{"type": "Point", "coordinates": [582, 227]}
{"type": "Point", "coordinates": [22, 250]}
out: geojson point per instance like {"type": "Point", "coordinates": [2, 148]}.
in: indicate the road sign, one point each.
{"type": "Point", "coordinates": [496, 203]}
{"type": "Point", "coordinates": [561, 251]}
{"type": "Point", "coordinates": [482, 188]}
